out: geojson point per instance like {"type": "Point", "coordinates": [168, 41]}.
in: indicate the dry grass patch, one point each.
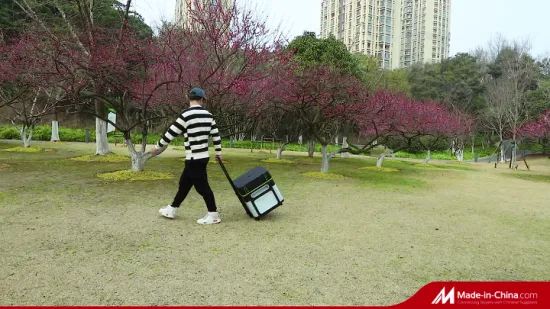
{"type": "Point", "coordinates": [3, 165]}
{"type": "Point", "coordinates": [129, 175]}
{"type": "Point", "coordinates": [93, 241]}
{"type": "Point", "coordinates": [321, 175]}
{"type": "Point", "coordinates": [380, 169]}
{"type": "Point", "coordinates": [110, 158]}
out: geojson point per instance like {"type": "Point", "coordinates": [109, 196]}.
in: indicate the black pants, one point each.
{"type": "Point", "coordinates": [194, 174]}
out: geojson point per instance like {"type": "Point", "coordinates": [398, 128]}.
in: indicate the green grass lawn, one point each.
{"type": "Point", "coordinates": [72, 238]}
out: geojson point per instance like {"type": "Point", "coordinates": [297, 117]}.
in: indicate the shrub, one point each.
{"type": "Point", "coordinates": [9, 133]}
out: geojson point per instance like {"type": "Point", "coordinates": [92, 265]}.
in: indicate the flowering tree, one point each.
{"type": "Point", "coordinates": [28, 89]}
{"type": "Point", "coordinates": [397, 121]}
{"type": "Point", "coordinates": [232, 54]}
{"type": "Point", "coordinates": [138, 77]}
{"type": "Point", "coordinates": [539, 128]}
{"type": "Point", "coordinates": [395, 124]}
{"type": "Point", "coordinates": [224, 53]}
{"type": "Point", "coordinates": [465, 125]}
{"type": "Point", "coordinates": [76, 38]}
{"type": "Point", "coordinates": [282, 125]}
{"type": "Point", "coordinates": [320, 98]}
{"type": "Point", "coordinates": [436, 123]}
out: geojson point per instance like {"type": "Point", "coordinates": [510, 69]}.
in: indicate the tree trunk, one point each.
{"type": "Point", "coordinates": [460, 154]}
{"type": "Point", "coordinates": [453, 149]}
{"type": "Point", "coordinates": [101, 140]}
{"type": "Point", "coordinates": [345, 145]}
{"type": "Point", "coordinates": [26, 139]}
{"type": "Point", "coordinates": [502, 153]}
{"type": "Point", "coordinates": [382, 156]}
{"type": "Point", "coordinates": [55, 131]}
{"type": "Point", "coordinates": [324, 163]}
{"type": "Point", "coordinates": [280, 151]}
{"type": "Point", "coordinates": [138, 158]}
{"type": "Point", "coordinates": [311, 148]}
{"type": "Point", "coordinates": [428, 157]}
{"type": "Point", "coordinates": [514, 153]}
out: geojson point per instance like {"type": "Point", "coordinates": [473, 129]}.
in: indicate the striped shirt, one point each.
{"type": "Point", "coordinates": [197, 126]}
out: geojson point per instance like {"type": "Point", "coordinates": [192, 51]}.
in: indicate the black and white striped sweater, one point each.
{"type": "Point", "coordinates": [197, 126]}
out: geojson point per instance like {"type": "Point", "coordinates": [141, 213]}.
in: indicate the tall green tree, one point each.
{"type": "Point", "coordinates": [12, 20]}
{"type": "Point", "coordinates": [311, 51]}
{"type": "Point", "coordinates": [106, 13]}
{"type": "Point", "coordinates": [456, 82]}
{"type": "Point", "coordinates": [376, 79]}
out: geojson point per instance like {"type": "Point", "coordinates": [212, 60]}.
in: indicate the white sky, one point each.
{"type": "Point", "coordinates": [473, 22]}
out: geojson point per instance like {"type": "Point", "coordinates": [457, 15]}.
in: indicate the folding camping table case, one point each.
{"type": "Point", "coordinates": [256, 190]}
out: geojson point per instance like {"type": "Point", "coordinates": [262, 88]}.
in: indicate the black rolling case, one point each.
{"type": "Point", "coordinates": [256, 190]}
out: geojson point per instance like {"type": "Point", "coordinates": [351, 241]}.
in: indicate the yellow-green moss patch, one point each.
{"type": "Point", "coordinates": [110, 158]}
{"type": "Point", "coordinates": [424, 165]}
{"type": "Point", "coordinates": [321, 175]}
{"type": "Point", "coordinates": [275, 160]}
{"type": "Point", "coordinates": [28, 149]}
{"type": "Point", "coordinates": [380, 169]}
{"type": "Point", "coordinates": [129, 175]}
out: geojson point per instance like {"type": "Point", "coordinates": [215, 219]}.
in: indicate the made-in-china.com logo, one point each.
{"type": "Point", "coordinates": [444, 298]}
{"type": "Point", "coordinates": [495, 297]}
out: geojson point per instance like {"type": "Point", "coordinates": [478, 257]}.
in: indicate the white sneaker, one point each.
{"type": "Point", "coordinates": [210, 218]}
{"type": "Point", "coordinates": [168, 211]}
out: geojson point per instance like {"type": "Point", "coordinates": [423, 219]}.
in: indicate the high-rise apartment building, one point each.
{"type": "Point", "coordinates": [183, 7]}
{"type": "Point", "coordinates": [397, 32]}
{"type": "Point", "coordinates": [365, 26]}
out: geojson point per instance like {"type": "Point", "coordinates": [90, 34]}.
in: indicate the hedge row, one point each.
{"type": "Point", "coordinates": [43, 133]}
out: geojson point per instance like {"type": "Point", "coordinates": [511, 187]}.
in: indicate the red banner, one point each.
{"type": "Point", "coordinates": [481, 294]}
{"type": "Point", "coordinates": [443, 295]}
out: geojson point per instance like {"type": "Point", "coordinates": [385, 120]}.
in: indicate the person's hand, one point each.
{"type": "Point", "coordinates": [155, 152]}
{"type": "Point", "coordinates": [219, 158]}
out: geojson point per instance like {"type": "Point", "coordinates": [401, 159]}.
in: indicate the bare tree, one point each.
{"type": "Point", "coordinates": [510, 72]}
{"type": "Point", "coordinates": [29, 109]}
{"type": "Point", "coordinates": [498, 92]}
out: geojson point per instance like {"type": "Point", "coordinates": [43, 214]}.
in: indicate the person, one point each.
{"type": "Point", "coordinates": [197, 125]}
